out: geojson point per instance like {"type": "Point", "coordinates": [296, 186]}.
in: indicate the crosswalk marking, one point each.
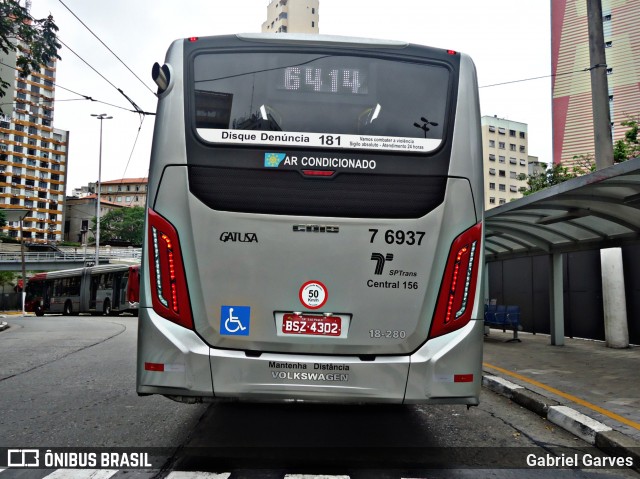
{"type": "Point", "coordinates": [198, 475]}
{"type": "Point", "coordinates": [81, 474]}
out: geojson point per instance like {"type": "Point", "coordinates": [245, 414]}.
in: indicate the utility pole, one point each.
{"type": "Point", "coordinates": [616, 328]}
{"type": "Point", "coordinates": [599, 87]}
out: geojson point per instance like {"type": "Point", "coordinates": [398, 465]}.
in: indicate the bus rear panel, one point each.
{"type": "Point", "coordinates": [314, 225]}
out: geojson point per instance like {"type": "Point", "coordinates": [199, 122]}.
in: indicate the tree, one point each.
{"type": "Point", "coordinates": [6, 277]}
{"type": "Point", "coordinates": [623, 150]}
{"type": "Point", "coordinates": [629, 147]}
{"type": "Point", "coordinates": [556, 174]}
{"type": "Point", "coordinates": [123, 224]}
{"type": "Point", "coordinates": [39, 44]}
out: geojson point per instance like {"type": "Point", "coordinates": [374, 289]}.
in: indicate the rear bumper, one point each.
{"type": "Point", "coordinates": [174, 361]}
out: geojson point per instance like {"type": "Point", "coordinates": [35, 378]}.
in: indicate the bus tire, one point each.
{"type": "Point", "coordinates": [39, 311]}
{"type": "Point", "coordinates": [106, 307]}
{"type": "Point", "coordinates": [68, 308]}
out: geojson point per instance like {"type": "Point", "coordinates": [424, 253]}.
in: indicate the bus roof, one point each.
{"type": "Point", "coordinates": [309, 38]}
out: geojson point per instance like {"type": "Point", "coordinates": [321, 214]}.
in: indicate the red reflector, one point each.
{"type": "Point", "coordinates": [193, 39]}
{"type": "Point", "coordinates": [463, 378]}
{"type": "Point", "coordinates": [318, 172]}
{"type": "Point", "coordinates": [451, 52]}
{"type": "Point", "coordinates": [154, 367]}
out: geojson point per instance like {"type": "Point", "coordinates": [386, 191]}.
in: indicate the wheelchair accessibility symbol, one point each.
{"type": "Point", "coordinates": [235, 320]}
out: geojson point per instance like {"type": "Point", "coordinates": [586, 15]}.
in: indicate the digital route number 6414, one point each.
{"type": "Point", "coordinates": [409, 238]}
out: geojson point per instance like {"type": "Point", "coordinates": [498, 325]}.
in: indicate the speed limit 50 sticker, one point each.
{"type": "Point", "coordinates": [313, 294]}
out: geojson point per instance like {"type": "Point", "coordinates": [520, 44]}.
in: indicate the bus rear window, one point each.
{"type": "Point", "coordinates": [320, 101]}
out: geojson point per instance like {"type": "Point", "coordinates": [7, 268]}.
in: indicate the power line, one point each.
{"type": "Point", "coordinates": [137, 109]}
{"type": "Point", "coordinates": [543, 76]}
{"type": "Point", "coordinates": [104, 44]}
{"type": "Point", "coordinates": [87, 63]}
{"type": "Point", "coordinates": [84, 97]}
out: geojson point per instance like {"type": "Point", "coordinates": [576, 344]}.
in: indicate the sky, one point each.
{"type": "Point", "coordinates": [508, 41]}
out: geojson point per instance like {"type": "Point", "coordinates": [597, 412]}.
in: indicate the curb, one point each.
{"type": "Point", "coordinates": [595, 433]}
{"type": "Point", "coordinates": [3, 325]}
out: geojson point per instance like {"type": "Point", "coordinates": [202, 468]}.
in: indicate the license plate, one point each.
{"type": "Point", "coordinates": [311, 324]}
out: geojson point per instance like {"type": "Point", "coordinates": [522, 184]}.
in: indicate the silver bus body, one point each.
{"type": "Point", "coordinates": [270, 296]}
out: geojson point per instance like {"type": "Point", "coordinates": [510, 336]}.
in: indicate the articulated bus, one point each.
{"type": "Point", "coordinates": [108, 289]}
{"type": "Point", "coordinates": [314, 224]}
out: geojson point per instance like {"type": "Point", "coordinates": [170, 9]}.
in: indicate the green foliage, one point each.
{"type": "Point", "coordinates": [123, 224]}
{"type": "Point", "coordinates": [629, 147]}
{"type": "Point", "coordinates": [3, 219]}
{"type": "Point", "coordinates": [38, 36]}
{"type": "Point", "coordinates": [623, 150]}
{"type": "Point", "coordinates": [8, 239]}
{"type": "Point", "coordinates": [7, 277]}
{"type": "Point", "coordinates": [70, 243]}
{"type": "Point", "coordinates": [556, 174]}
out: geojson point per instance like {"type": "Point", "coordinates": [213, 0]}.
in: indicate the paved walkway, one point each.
{"type": "Point", "coordinates": [600, 382]}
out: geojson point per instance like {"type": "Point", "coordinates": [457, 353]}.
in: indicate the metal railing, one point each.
{"type": "Point", "coordinates": [64, 256]}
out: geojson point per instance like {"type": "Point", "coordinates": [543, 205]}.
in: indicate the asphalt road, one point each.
{"type": "Point", "coordinates": [69, 382]}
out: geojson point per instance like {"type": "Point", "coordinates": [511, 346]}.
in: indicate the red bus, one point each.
{"type": "Point", "coordinates": [107, 289]}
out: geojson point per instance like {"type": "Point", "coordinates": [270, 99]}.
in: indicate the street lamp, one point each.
{"type": "Point", "coordinates": [101, 116]}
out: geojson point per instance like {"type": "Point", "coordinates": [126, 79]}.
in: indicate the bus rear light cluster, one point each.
{"type": "Point", "coordinates": [170, 296]}
{"type": "Point", "coordinates": [453, 310]}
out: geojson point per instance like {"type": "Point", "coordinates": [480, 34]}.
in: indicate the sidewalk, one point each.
{"type": "Point", "coordinates": [583, 375]}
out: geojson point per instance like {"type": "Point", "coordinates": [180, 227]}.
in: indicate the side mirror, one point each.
{"type": "Point", "coordinates": [161, 75]}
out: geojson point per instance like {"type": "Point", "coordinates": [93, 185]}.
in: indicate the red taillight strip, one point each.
{"type": "Point", "coordinates": [467, 283]}
{"type": "Point", "coordinates": [458, 284]}
{"type": "Point", "coordinates": [170, 296]}
{"type": "Point", "coordinates": [172, 274]}
{"type": "Point", "coordinates": [156, 261]}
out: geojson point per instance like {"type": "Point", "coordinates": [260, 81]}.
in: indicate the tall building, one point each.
{"type": "Point", "coordinates": [33, 154]}
{"type": "Point", "coordinates": [505, 147]}
{"type": "Point", "coordinates": [572, 109]}
{"type": "Point", "coordinates": [292, 16]}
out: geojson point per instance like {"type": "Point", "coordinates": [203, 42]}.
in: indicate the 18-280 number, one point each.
{"type": "Point", "coordinates": [400, 237]}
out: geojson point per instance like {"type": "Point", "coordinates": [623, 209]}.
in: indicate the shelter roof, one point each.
{"type": "Point", "coordinates": [594, 211]}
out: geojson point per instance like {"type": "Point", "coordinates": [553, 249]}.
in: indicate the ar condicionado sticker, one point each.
{"type": "Point", "coordinates": [313, 294]}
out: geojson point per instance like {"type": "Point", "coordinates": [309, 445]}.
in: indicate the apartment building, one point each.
{"type": "Point", "coordinates": [505, 157]}
{"type": "Point", "coordinates": [33, 154]}
{"type": "Point", "coordinates": [125, 191]}
{"type": "Point", "coordinates": [292, 16]}
{"type": "Point", "coordinates": [572, 106]}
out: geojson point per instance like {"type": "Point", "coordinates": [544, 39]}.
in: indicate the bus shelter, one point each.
{"type": "Point", "coordinates": [598, 211]}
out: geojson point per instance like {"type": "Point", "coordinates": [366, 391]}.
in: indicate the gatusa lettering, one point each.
{"type": "Point", "coordinates": [239, 237]}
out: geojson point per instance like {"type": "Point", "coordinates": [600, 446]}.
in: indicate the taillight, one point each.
{"type": "Point", "coordinates": [170, 296]}
{"type": "Point", "coordinates": [457, 291]}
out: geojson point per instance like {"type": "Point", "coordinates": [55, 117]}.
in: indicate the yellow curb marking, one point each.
{"type": "Point", "coordinates": [574, 399]}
